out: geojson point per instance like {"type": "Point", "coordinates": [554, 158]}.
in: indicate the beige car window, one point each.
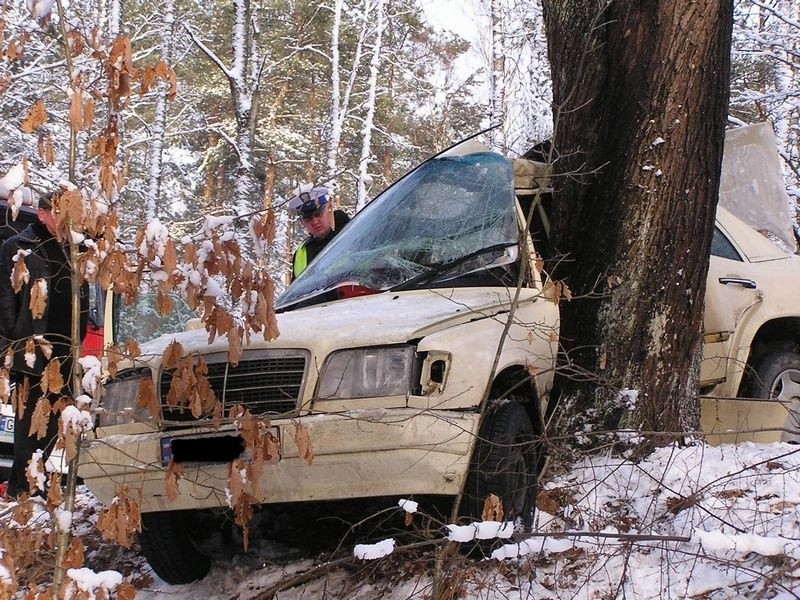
{"type": "Point", "coordinates": [722, 247]}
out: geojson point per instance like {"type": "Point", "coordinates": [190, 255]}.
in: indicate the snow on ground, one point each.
{"type": "Point", "coordinates": [695, 522]}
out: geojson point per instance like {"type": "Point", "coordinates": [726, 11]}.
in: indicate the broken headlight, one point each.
{"type": "Point", "coordinates": [367, 373]}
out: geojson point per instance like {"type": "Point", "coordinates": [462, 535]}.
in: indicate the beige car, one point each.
{"type": "Point", "coordinates": [388, 344]}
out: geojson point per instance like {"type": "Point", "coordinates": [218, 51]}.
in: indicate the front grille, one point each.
{"type": "Point", "coordinates": [265, 382]}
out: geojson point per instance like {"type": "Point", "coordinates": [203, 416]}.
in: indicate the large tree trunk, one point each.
{"type": "Point", "coordinates": [640, 92]}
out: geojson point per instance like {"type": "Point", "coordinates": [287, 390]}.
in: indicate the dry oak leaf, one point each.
{"type": "Point", "coordinates": [35, 117]}
{"type": "Point", "coordinates": [125, 591]}
{"type": "Point", "coordinates": [172, 355]}
{"type": "Point", "coordinates": [547, 502]}
{"type": "Point", "coordinates": [163, 304]}
{"type": "Point", "coordinates": [69, 437]}
{"type": "Point", "coordinates": [21, 275]}
{"type": "Point", "coordinates": [19, 397]}
{"type": "Point", "coordinates": [74, 558]}
{"type": "Point", "coordinates": [40, 417]}
{"type": "Point", "coordinates": [169, 260]}
{"type": "Point", "coordinates": [5, 386]}
{"type": "Point", "coordinates": [147, 398]}
{"type": "Point", "coordinates": [38, 300]}
{"type": "Point", "coordinates": [174, 474]}
{"type": "Point", "coordinates": [132, 349]}
{"type": "Point", "coordinates": [45, 346]}
{"type": "Point", "coordinates": [119, 521]}
{"type": "Point", "coordinates": [235, 335]}
{"type": "Point", "coordinates": [45, 149]}
{"type": "Point", "coordinates": [54, 493]}
{"type": "Point", "coordinates": [77, 119]}
{"type": "Point", "coordinates": [492, 508]}
{"type": "Point", "coordinates": [34, 472]}
{"type": "Point", "coordinates": [52, 380]}
{"type": "Point", "coordinates": [303, 442]}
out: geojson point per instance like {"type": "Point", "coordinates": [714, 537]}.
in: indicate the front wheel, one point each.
{"type": "Point", "coordinates": [169, 546]}
{"type": "Point", "coordinates": [778, 378]}
{"type": "Point", "coordinates": [504, 463]}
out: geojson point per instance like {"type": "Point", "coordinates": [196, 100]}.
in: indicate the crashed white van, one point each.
{"type": "Point", "coordinates": [389, 343]}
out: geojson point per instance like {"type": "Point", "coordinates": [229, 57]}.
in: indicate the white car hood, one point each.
{"type": "Point", "coordinates": [386, 318]}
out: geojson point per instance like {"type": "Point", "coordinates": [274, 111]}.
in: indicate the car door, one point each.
{"type": "Point", "coordinates": [731, 289]}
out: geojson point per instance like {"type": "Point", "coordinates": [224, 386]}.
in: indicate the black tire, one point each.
{"type": "Point", "coordinates": [505, 463]}
{"type": "Point", "coordinates": [168, 545]}
{"type": "Point", "coordinates": [777, 377]}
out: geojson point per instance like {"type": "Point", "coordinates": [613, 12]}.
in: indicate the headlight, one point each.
{"type": "Point", "coordinates": [119, 400]}
{"type": "Point", "coordinates": [367, 373]}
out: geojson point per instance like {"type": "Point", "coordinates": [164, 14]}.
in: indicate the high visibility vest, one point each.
{"type": "Point", "coordinates": [300, 260]}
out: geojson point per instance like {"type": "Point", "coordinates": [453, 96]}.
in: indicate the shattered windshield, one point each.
{"type": "Point", "coordinates": [451, 216]}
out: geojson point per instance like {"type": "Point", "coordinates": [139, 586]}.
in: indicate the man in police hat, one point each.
{"type": "Point", "coordinates": [315, 208]}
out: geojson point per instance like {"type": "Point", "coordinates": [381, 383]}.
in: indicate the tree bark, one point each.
{"type": "Point", "coordinates": [640, 93]}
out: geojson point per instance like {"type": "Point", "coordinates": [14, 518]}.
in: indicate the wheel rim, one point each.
{"type": "Point", "coordinates": [786, 390]}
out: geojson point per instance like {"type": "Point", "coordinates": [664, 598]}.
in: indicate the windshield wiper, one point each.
{"type": "Point", "coordinates": [446, 267]}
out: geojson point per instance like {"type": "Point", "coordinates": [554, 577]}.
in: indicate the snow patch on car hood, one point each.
{"type": "Point", "coordinates": [386, 318]}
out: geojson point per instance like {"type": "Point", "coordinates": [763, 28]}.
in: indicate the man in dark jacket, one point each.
{"type": "Point", "coordinates": [322, 223]}
{"type": "Point", "coordinates": [24, 325]}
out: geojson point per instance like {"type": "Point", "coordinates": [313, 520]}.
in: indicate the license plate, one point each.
{"type": "Point", "coordinates": [219, 448]}
{"type": "Point", "coordinates": [6, 423]}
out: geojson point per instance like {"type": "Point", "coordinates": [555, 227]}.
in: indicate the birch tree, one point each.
{"type": "Point", "coordinates": [497, 114]}
{"type": "Point", "coordinates": [243, 77]}
{"type": "Point", "coordinates": [341, 93]}
{"type": "Point", "coordinates": [364, 178]}
{"type": "Point", "coordinates": [164, 93]}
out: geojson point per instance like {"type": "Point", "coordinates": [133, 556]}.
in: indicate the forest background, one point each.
{"type": "Point", "coordinates": [224, 109]}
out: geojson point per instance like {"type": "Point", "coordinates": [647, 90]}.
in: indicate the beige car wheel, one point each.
{"type": "Point", "coordinates": [778, 378]}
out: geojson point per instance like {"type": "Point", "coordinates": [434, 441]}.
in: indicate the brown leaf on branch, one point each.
{"type": "Point", "coordinates": [132, 349]}
{"type": "Point", "coordinates": [183, 382]}
{"type": "Point", "coordinates": [190, 254]}
{"type": "Point", "coordinates": [172, 355]}
{"type": "Point", "coordinates": [45, 346]}
{"type": "Point", "coordinates": [247, 425]}
{"type": "Point", "coordinates": [146, 80]}
{"type": "Point", "coordinates": [38, 300]}
{"type": "Point", "coordinates": [54, 493]}
{"type": "Point", "coordinates": [121, 519]}
{"type": "Point", "coordinates": [113, 355]}
{"type": "Point", "coordinates": [33, 474]}
{"type": "Point", "coordinates": [74, 558]}
{"type": "Point", "coordinates": [69, 437]}
{"type": "Point", "coordinates": [119, 68]}
{"type": "Point", "coordinates": [167, 74]}
{"type": "Point", "coordinates": [45, 149]}
{"type": "Point", "coordinates": [41, 414]}
{"type": "Point", "coordinates": [163, 304]}
{"type": "Point", "coordinates": [76, 116]}
{"type": "Point", "coordinates": [125, 591]}
{"type": "Point", "coordinates": [20, 276]}
{"type": "Point", "coordinates": [52, 380]}
{"type": "Point", "coordinates": [71, 208]}
{"type": "Point", "coordinates": [264, 227]}
{"type": "Point", "coordinates": [146, 396]}
{"type": "Point", "coordinates": [21, 392]}
{"type": "Point", "coordinates": [303, 443]}
{"type": "Point", "coordinates": [492, 509]}
{"type": "Point", "coordinates": [5, 386]}
{"type": "Point", "coordinates": [174, 474]}
{"type": "Point", "coordinates": [235, 335]}
{"type": "Point", "coordinates": [170, 257]}
{"type": "Point", "coordinates": [34, 118]}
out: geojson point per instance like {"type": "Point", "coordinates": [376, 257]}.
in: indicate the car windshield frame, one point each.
{"type": "Point", "coordinates": [449, 208]}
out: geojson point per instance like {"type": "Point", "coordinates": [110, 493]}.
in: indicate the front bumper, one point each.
{"type": "Point", "coordinates": [379, 452]}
